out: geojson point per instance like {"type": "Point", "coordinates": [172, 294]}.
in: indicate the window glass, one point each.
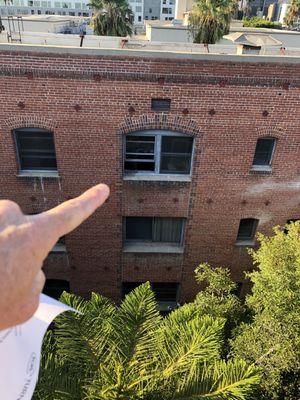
{"type": "Point", "coordinates": [247, 229]}
{"type": "Point", "coordinates": [140, 153]}
{"type": "Point", "coordinates": [36, 150]}
{"type": "Point", "coordinates": [263, 151]}
{"type": "Point", "coordinates": [162, 230]}
{"type": "Point", "coordinates": [176, 154]}
{"type": "Point", "coordinates": [165, 291]}
{"type": "Point", "coordinates": [139, 228]}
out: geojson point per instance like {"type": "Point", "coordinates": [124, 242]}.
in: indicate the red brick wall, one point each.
{"type": "Point", "coordinates": [89, 150]}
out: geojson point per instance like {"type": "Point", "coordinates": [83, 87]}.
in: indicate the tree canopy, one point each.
{"type": "Point", "coordinates": [132, 352]}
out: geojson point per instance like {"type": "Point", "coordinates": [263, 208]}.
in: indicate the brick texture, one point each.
{"type": "Point", "coordinates": [91, 102]}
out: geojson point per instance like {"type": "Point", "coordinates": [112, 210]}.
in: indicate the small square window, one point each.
{"type": "Point", "coordinates": [160, 104]}
{"type": "Point", "coordinates": [264, 152]}
{"type": "Point", "coordinates": [36, 149]}
{"type": "Point", "coordinates": [247, 229]}
{"type": "Point", "coordinates": [176, 154]}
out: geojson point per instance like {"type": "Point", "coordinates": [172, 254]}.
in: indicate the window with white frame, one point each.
{"type": "Point", "coordinates": [158, 152]}
{"type": "Point", "coordinates": [154, 229]}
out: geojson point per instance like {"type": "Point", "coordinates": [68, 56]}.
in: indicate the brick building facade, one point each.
{"type": "Point", "coordinates": [92, 99]}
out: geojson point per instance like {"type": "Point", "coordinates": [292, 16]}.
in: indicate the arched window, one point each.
{"type": "Point", "coordinates": [158, 152]}
{"type": "Point", "coordinates": [35, 149]}
{"type": "Point", "coordinates": [264, 152]}
{"type": "Point", "coordinates": [247, 229]}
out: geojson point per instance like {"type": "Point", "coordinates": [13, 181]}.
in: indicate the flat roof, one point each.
{"type": "Point", "coordinates": [149, 53]}
{"type": "Point", "coordinates": [47, 18]}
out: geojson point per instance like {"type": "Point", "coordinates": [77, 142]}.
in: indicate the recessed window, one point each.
{"type": "Point", "coordinates": [160, 104]}
{"type": "Point", "coordinates": [158, 152]}
{"type": "Point", "coordinates": [36, 149]}
{"type": "Point", "coordinates": [55, 287]}
{"type": "Point", "coordinates": [264, 152]}
{"type": "Point", "coordinates": [166, 293]}
{"type": "Point", "coordinates": [154, 229]}
{"type": "Point", "coordinates": [247, 229]}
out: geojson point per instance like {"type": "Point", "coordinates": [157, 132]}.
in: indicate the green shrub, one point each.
{"type": "Point", "coordinates": [257, 22]}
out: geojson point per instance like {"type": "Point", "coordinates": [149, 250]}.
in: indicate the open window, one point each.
{"type": "Point", "coordinates": [158, 153]}
{"type": "Point", "coordinates": [35, 150]}
{"type": "Point", "coordinates": [264, 152]}
{"type": "Point", "coordinates": [246, 231]}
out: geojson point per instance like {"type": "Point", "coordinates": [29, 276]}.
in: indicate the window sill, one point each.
{"type": "Point", "coordinates": [245, 243]}
{"type": "Point", "coordinates": [59, 248]}
{"type": "Point", "coordinates": [38, 174]}
{"type": "Point", "coordinates": [157, 177]}
{"type": "Point", "coordinates": [152, 248]}
{"type": "Point", "coordinates": [264, 169]}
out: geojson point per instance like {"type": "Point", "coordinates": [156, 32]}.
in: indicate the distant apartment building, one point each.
{"type": "Point", "coordinates": [137, 7]}
{"type": "Point", "coordinates": [152, 10]}
{"type": "Point", "coordinates": [48, 7]}
{"type": "Point", "coordinates": [167, 10]}
{"type": "Point", "coordinates": [201, 152]}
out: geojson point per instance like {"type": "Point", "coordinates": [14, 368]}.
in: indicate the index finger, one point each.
{"type": "Point", "coordinates": [67, 216]}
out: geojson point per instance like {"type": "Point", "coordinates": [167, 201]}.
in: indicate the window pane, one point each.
{"type": "Point", "coordinates": [175, 164]}
{"type": "Point", "coordinates": [36, 149]}
{"type": "Point", "coordinates": [247, 228]}
{"type": "Point", "coordinates": [139, 228]}
{"type": "Point", "coordinates": [140, 147]}
{"type": "Point", "coordinates": [263, 151]}
{"type": "Point", "coordinates": [165, 291]}
{"type": "Point", "coordinates": [140, 153]}
{"type": "Point", "coordinates": [160, 104]}
{"type": "Point", "coordinates": [167, 230]}
{"type": "Point", "coordinates": [127, 287]}
{"type": "Point", "coordinates": [177, 144]}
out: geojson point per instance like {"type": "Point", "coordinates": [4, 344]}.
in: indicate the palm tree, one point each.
{"type": "Point", "coordinates": [112, 18]}
{"type": "Point", "coordinates": [209, 20]}
{"type": "Point", "coordinates": [292, 13]}
{"type": "Point", "coordinates": [132, 353]}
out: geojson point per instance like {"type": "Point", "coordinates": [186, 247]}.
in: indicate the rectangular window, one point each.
{"type": "Point", "coordinates": [160, 104]}
{"type": "Point", "coordinates": [176, 154]}
{"type": "Point", "coordinates": [166, 292]}
{"type": "Point", "coordinates": [264, 151]}
{"type": "Point", "coordinates": [36, 149]}
{"type": "Point", "coordinates": [165, 10]}
{"type": "Point", "coordinates": [158, 153]}
{"type": "Point", "coordinates": [247, 229]}
{"type": "Point", "coordinates": [159, 230]}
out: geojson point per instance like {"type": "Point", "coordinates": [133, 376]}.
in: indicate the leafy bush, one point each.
{"type": "Point", "coordinates": [257, 22]}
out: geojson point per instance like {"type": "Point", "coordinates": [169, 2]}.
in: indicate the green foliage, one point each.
{"type": "Point", "coordinates": [272, 340]}
{"type": "Point", "coordinates": [292, 13]}
{"type": "Point", "coordinates": [257, 22]}
{"type": "Point", "coordinates": [218, 297]}
{"type": "Point", "coordinates": [131, 352]}
{"type": "Point", "coordinates": [112, 18]}
{"type": "Point", "coordinates": [209, 20]}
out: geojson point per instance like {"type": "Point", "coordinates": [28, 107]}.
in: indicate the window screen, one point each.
{"type": "Point", "coordinates": [176, 153]}
{"type": "Point", "coordinates": [247, 229]}
{"type": "Point", "coordinates": [55, 287]}
{"type": "Point", "coordinates": [160, 104]}
{"type": "Point", "coordinates": [163, 230]}
{"type": "Point", "coordinates": [36, 149]}
{"type": "Point", "coordinates": [264, 151]}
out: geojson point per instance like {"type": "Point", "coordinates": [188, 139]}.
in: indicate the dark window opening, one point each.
{"type": "Point", "coordinates": [247, 229]}
{"type": "Point", "coordinates": [176, 154]}
{"type": "Point", "coordinates": [36, 149]}
{"type": "Point", "coordinates": [158, 153]}
{"type": "Point", "coordinates": [148, 229]}
{"type": "Point", "coordinates": [55, 287]}
{"type": "Point", "coordinates": [164, 292]}
{"type": "Point", "coordinates": [264, 151]}
{"type": "Point", "coordinates": [139, 18]}
{"type": "Point", "coordinates": [161, 104]}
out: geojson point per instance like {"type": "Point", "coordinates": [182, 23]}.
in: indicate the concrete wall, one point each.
{"type": "Point", "coordinates": [85, 97]}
